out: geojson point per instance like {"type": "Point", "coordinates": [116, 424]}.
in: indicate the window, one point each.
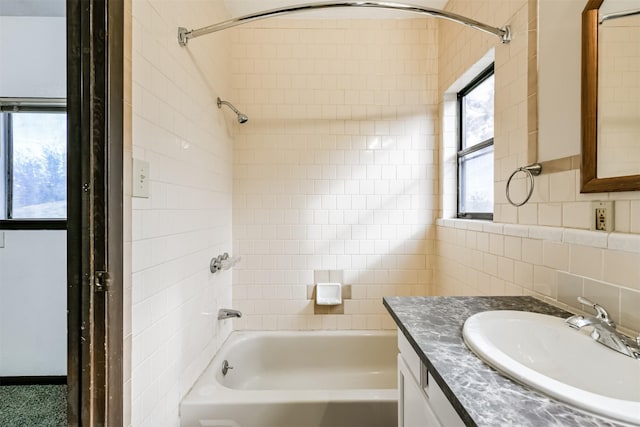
{"type": "Point", "coordinates": [34, 155]}
{"type": "Point", "coordinates": [475, 149]}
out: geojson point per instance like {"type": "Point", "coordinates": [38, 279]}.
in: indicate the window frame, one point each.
{"type": "Point", "coordinates": [462, 153]}
{"type": "Point", "coordinates": [7, 108]}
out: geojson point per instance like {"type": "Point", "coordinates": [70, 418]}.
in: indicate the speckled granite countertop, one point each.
{"type": "Point", "coordinates": [480, 395]}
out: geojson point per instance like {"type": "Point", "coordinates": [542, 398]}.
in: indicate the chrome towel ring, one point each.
{"type": "Point", "coordinates": [531, 171]}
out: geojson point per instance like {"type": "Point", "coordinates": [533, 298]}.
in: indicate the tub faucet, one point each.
{"type": "Point", "coordinates": [604, 330]}
{"type": "Point", "coordinates": [227, 313]}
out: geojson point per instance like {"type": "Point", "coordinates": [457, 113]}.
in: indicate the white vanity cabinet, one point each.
{"type": "Point", "coordinates": [421, 403]}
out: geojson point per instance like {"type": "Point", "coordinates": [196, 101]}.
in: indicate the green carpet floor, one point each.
{"type": "Point", "coordinates": [33, 406]}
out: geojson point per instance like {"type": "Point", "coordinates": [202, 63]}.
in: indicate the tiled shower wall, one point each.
{"type": "Point", "coordinates": [186, 221]}
{"type": "Point", "coordinates": [543, 248]}
{"type": "Point", "coordinates": [336, 169]}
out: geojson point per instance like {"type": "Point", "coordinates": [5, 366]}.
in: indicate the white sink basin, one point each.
{"type": "Point", "coordinates": [544, 353]}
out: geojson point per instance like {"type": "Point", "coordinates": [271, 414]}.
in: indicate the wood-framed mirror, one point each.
{"type": "Point", "coordinates": [594, 178]}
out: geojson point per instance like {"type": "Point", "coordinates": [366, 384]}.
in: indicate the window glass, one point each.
{"type": "Point", "coordinates": [38, 165]}
{"type": "Point", "coordinates": [478, 114]}
{"type": "Point", "coordinates": [476, 181]}
{"type": "Point", "coordinates": [475, 155]}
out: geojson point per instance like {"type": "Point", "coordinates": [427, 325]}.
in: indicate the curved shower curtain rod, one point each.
{"type": "Point", "coordinates": [616, 15]}
{"type": "Point", "coordinates": [504, 33]}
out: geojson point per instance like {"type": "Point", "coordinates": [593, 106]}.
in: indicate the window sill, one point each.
{"type": "Point", "coordinates": [597, 239]}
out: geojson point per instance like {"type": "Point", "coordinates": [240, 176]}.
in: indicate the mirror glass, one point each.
{"type": "Point", "coordinates": [618, 135]}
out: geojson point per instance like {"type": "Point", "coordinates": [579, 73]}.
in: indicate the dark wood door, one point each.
{"type": "Point", "coordinates": [94, 239]}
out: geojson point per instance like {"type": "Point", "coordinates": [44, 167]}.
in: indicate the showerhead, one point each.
{"type": "Point", "coordinates": [242, 118]}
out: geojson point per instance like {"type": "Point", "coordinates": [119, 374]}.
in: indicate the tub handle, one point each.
{"type": "Point", "coordinates": [223, 262]}
{"type": "Point", "coordinates": [226, 367]}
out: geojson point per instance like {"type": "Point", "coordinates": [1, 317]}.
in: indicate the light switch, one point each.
{"type": "Point", "coordinates": [140, 178]}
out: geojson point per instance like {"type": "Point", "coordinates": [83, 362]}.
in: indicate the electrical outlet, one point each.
{"type": "Point", "coordinates": [601, 219]}
{"type": "Point", "coordinates": [602, 216]}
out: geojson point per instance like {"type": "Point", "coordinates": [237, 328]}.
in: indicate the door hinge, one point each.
{"type": "Point", "coordinates": [103, 281]}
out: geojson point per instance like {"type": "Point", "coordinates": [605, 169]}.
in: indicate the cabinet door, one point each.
{"type": "Point", "coordinates": [413, 407]}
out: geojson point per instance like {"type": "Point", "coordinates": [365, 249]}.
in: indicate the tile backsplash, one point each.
{"type": "Point", "coordinates": [476, 258]}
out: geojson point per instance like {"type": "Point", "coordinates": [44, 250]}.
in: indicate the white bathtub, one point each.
{"type": "Point", "coordinates": [298, 379]}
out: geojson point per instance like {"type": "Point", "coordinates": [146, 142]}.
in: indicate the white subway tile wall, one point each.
{"type": "Point", "coordinates": [557, 245]}
{"type": "Point", "coordinates": [186, 221]}
{"type": "Point", "coordinates": [336, 168]}
{"type": "Point", "coordinates": [343, 167]}
{"type": "Point", "coordinates": [556, 199]}
{"type": "Point", "coordinates": [555, 271]}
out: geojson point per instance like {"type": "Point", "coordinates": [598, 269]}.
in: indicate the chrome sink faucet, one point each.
{"type": "Point", "coordinates": [227, 313]}
{"type": "Point", "coordinates": [604, 330]}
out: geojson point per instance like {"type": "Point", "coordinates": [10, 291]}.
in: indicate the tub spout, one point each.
{"type": "Point", "coordinates": [227, 313]}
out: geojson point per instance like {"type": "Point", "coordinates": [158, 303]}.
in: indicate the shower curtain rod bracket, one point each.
{"type": "Point", "coordinates": [505, 36]}
{"type": "Point", "coordinates": [183, 36]}
{"type": "Point", "coordinates": [504, 33]}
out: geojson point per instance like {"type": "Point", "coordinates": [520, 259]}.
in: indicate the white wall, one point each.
{"type": "Point", "coordinates": [186, 221]}
{"type": "Point", "coordinates": [560, 30]}
{"type": "Point", "coordinates": [33, 57]}
{"type": "Point", "coordinates": [33, 300]}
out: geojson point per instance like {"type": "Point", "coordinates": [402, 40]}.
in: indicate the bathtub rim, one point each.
{"type": "Point", "coordinates": [220, 394]}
